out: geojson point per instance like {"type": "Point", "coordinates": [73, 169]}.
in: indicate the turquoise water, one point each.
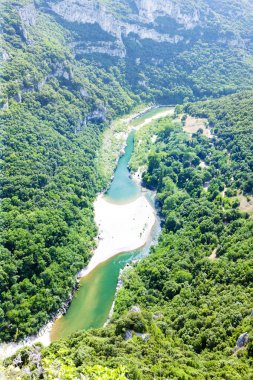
{"type": "Point", "coordinates": [123, 188]}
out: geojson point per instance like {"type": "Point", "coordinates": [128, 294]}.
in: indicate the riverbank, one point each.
{"type": "Point", "coordinates": [122, 228]}
{"type": "Point", "coordinates": [115, 137]}
{"type": "Point", "coordinates": [43, 337]}
{"type": "Point", "coordinates": [164, 113]}
{"type": "Point", "coordinates": [125, 218]}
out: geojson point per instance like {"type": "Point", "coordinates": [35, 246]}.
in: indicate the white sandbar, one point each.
{"type": "Point", "coordinates": [122, 228]}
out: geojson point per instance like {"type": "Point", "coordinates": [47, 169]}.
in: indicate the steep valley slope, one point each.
{"type": "Point", "coordinates": [68, 68]}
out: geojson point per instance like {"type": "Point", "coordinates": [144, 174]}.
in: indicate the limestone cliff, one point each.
{"type": "Point", "coordinates": [144, 23]}
{"type": "Point", "coordinates": [166, 50]}
{"type": "Point", "coordinates": [162, 21]}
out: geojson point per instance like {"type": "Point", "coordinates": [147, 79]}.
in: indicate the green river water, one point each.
{"type": "Point", "coordinates": [123, 188]}
{"type": "Point", "coordinates": [93, 300]}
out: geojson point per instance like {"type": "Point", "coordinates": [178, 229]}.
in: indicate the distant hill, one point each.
{"type": "Point", "coordinates": [168, 50]}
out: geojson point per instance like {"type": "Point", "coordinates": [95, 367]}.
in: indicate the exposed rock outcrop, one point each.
{"type": "Point", "coordinates": [100, 47]}
{"type": "Point", "coordinates": [128, 335]}
{"type": "Point", "coordinates": [135, 309]}
{"type": "Point", "coordinates": [242, 340]}
{"type": "Point", "coordinates": [162, 21]}
{"type": "Point", "coordinates": [5, 55]}
{"type": "Point", "coordinates": [28, 15]}
{"type": "Point", "coordinates": [143, 24]}
{"type": "Point", "coordinates": [149, 10]}
{"type": "Point", "coordinates": [28, 18]}
{"type": "Point", "coordinates": [144, 337]}
{"type": "Point", "coordinates": [98, 116]}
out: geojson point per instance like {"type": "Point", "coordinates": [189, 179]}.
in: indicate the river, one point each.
{"type": "Point", "coordinates": [92, 302]}
{"type": "Point", "coordinates": [127, 215]}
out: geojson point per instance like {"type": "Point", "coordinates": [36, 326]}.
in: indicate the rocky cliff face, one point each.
{"type": "Point", "coordinates": [91, 11]}
{"type": "Point", "coordinates": [166, 50]}
{"type": "Point", "coordinates": [150, 10]}
{"type": "Point", "coordinates": [162, 21]}
{"type": "Point", "coordinates": [144, 23]}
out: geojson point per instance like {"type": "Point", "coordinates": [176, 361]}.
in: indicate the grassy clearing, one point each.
{"type": "Point", "coordinates": [193, 124]}
{"type": "Point", "coordinates": [246, 203]}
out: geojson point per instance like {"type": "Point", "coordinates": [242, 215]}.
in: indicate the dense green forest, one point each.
{"type": "Point", "coordinates": [208, 57]}
{"type": "Point", "coordinates": [182, 309]}
{"type": "Point", "coordinates": [52, 118]}
{"type": "Point", "coordinates": [232, 122]}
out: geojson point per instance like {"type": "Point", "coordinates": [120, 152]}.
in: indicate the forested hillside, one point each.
{"type": "Point", "coordinates": [181, 310]}
{"type": "Point", "coordinates": [67, 69]}
{"type": "Point", "coordinates": [232, 122]}
{"type": "Point", "coordinates": [55, 104]}
{"type": "Point", "coordinates": [53, 113]}
{"type": "Point", "coordinates": [166, 50]}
